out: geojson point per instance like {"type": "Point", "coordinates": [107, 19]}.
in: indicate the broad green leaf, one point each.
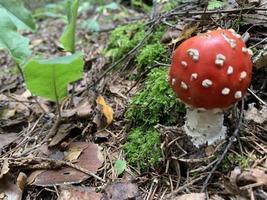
{"type": "Point", "coordinates": [10, 40]}
{"type": "Point", "coordinates": [20, 16]}
{"type": "Point", "coordinates": [67, 39]}
{"type": "Point", "coordinates": [120, 166]}
{"type": "Point", "coordinates": [50, 78]}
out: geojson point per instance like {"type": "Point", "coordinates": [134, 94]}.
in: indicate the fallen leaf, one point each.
{"type": "Point", "coordinates": [4, 168]}
{"type": "Point", "coordinates": [64, 130]}
{"type": "Point", "coordinates": [9, 190]}
{"type": "Point", "coordinates": [260, 60]}
{"type": "Point", "coordinates": [79, 193]}
{"type": "Point", "coordinates": [106, 109]}
{"type": "Point", "coordinates": [192, 196]}
{"type": "Point", "coordinates": [186, 33]}
{"type": "Point", "coordinates": [252, 176]}
{"type": "Point", "coordinates": [33, 176]}
{"type": "Point", "coordinates": [74, 153]}
{"type": "Point", "coordinates": [121, 191]}
{"type": "Point", "coordinates": [239, 179]}
{"type": "Point", "coordinates": [84, 109]}
{"type": "Point", "coordinates": [170, 35]}
{"type": "Point", "coordinates": [7, 138]}
{"type": "Point", "coordinates": [258, 116]}
{"type": "Point", "coordinates": [8, 113]}
{"type": "Point", "coordinates": [90, 159]}
{"type": "Point", "coordinates": [21, 181]}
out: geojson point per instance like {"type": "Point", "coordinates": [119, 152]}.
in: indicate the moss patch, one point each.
{"type": "Point", "coordinates": [143, 148]}
{"type": "Point", "coordinates": [156, 103]}
{"type": "Point", "coordinates": [123, 39]}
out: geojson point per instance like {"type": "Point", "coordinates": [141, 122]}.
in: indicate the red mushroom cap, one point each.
{"type": "Point", "coordinates": [211, 70]}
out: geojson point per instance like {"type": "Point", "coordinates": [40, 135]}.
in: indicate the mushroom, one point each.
{"type": "Point", "coordinates": [210, 72]}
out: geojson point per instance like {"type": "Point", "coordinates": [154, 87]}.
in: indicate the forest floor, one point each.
{"type": "Point", "coordinates": [81, 155]}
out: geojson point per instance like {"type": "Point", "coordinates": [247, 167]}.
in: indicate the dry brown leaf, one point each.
{"type": "Point", "coordinates": [21, 181]}
{"type": "Point", "coordinates": [258, 116]}
{"type": "Point", "coordinates": [192, 196]}
{"type": "Point", "coordinates": [170, 35]}
{"type": "Point", "coordinates": [186, 33]}
{"type": "Point", "coordinates": [90, 159]}
{"type": "Point", "coordinates": [84, 109]}
{"type": "Point", "coordinates": [74, 153]}
{"type": "Point", "coordinates": [252, 176]}
{"type": "Point", "coordinates": [4, 168]}
{"type": "Point", "coordinates": [33, 176]}
{"type": "Point", "coordinates": [121, 191]}
{"type": "Point", "coordinates": [9, 190]}
{"type": "Point", "coordinates": [106, 109]}
{"type": "Point", "coordinates": [260, 60]}
{"type": "Point", "coordinates": [79, 193]}
{"type": "Point", "coordinates": [63, 131]}
{"type": "Point", "coordinates": [8, 113]}
{"type": "Point", "coordinates": [7, 138]}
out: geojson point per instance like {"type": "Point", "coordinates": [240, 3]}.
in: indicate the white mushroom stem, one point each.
{"type": "Point", "coordinates": [204, 126]}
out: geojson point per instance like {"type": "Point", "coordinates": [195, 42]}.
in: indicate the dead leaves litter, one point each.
{"type": "Point", "coordinates": [89, 159]}
{"type": "Point", "coordinates": [78, 193]}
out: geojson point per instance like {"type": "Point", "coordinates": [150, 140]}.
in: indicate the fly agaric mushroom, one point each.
{"type": "Point", "coordinates": [209, 73]}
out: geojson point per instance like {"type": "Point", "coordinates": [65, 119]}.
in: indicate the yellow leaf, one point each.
{"type": "Point", "coordinates": [186, 33]}
{"type": "Point", "coordinates": [106, 109]}
{"type": "Point", "coordinates": [73, 154]}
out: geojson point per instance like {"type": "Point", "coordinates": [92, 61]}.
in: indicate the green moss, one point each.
{"type": "Point", "coordinates": [149, 54]}
{"type": "Point", "coordinates": [140, 5]}
{"type": "Point", "coordinates": [233, 160]}
{"type": "Point", "coordinates": [156, 103]}
{"type": "Point", "coordinates": [123, 39]}
{"type": "Point", "coordinates": [143, 148]}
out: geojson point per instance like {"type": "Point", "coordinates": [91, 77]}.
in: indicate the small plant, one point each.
{"type": "Point", "coordinates": [143, 148]}
{"type": "Point", "coordinates": [154, 104]}
{"type": "Point", "coordinates": [49, 78]}
{"type": "Point", "coordinates": [233, 160]}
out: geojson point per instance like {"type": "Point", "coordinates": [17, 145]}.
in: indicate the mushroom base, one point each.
{"type": "Point", "coordinates": [204, 126]}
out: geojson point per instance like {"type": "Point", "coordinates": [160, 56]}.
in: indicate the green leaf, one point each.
{"type": "Point", "coordinates": [120, 166]}
{"type": "Point", "coordinates": [67, 39]}
{"type": "Point", "coordinates": [10, 40]}
{"type": "Point", "coordinates": [215, 4]}
{"type": "Point", "coordinates": [20, 16]}
{"type": "Point", "coordinates": [50, 78]}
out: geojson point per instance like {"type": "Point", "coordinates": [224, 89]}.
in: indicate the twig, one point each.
{"type": "Point", "coordinates": [235, 10]}
{"type": "Point", "coordinates": [109, 69]}
{"type": "Point", "coordinates": [169, 196]}
{"type": "Point", "coordinates": [231, 141]}
{"type": "Point", "coordinates": [258, 98]}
